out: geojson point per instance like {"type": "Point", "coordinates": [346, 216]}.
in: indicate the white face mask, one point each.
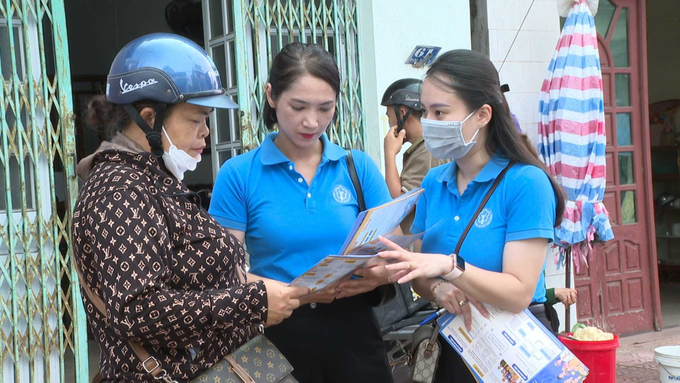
{"type": "Point", "coordinates": [444, 139]}
{"type": "Point", "coordinates": [178, 161]}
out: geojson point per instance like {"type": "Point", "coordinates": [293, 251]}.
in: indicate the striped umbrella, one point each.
{"type": "Point", "coordinates": [572, 135]}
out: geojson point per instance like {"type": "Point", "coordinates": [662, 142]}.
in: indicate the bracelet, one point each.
{"type": "Point", "coordinates": [437, 285]}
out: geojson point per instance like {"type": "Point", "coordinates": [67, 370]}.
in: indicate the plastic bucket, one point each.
{"type": "Point", "coordinates": [598, 356]}
{"type": "Point", "coordinates": [668, 358]}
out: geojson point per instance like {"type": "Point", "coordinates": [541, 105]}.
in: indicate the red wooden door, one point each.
{"type": "Point", "coordinates": [617, 293]}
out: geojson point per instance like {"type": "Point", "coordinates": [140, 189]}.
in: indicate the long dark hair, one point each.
{"type": "Point", "coordinates": [294, 61]}
{"type": "Point", "coordinates": [475, 80]}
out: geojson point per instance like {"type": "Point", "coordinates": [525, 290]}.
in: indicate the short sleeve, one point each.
{"type": "Point", "coordinates": [419, 221]}
{"type": "Point", "coordinates": [372, 181]}
{"type": "Point", "coordinates": [228, 202]}
{"type": "Point", "coordinates": [531, 204]}
{"type": "Point", "coordinates": [414, 171]}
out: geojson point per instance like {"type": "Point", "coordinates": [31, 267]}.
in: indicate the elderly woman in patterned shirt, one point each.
{"type": "Point", "coordinates": [170, 277]}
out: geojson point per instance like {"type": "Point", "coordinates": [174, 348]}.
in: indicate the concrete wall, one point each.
{"type": "Point", "coordinates": [390, 29]}
{"type": "Point", "coordinates": [663, 56]}
{"type": "Point", "coordinates": [524, 70]}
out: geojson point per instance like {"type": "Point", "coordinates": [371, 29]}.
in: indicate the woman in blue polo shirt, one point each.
{"type": "Point", "coordinates": [466, 118]}
{"type": "Point", "coordinates": [293, 202]}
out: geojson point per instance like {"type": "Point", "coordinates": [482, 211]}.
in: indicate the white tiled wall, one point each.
{"type": "Point", "coordinates": [528, 58]}
{"type": "Point", "coordinates": [524, 70]}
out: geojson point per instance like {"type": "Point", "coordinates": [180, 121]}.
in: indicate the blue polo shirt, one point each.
{"type": "Point", "coordinates": [290, 225]}
{"type": "Point", "coordinates": [522, 207]}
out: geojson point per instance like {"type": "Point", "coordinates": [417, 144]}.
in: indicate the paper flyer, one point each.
{"type": "Point", "coordinates": [511, 348]}
{"type": "Point", "coordinates": [336, 267]}
{"type": "Point", "coordinates": [362, 243]}
{"type": "Point", "coordinates": [380, 220]}
{"type": "Point", "coordinates": [329, 270]}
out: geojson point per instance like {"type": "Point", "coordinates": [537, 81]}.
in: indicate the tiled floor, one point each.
{"type": "Point", "coordinates": [635, 357]}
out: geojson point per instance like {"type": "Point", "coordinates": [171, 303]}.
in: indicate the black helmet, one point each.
{"type": "Point", "coordinates": [404, 92]}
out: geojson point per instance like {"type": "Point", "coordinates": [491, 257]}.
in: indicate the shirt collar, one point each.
{"type": "Point", "coordinates": [271, 155]}
{"type": "Point", "coordinates": [489, 172]}
{"type": "Point", "coordinates": [414, 146]}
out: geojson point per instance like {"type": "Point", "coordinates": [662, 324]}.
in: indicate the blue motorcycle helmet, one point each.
{"type": "Point", "coordinates": [168, 69]}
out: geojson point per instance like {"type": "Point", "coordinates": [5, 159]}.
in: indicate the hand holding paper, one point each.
{"type": "Point", "coordinates": [409, 266]}
{"type": "Point", "coordinates": [372, 275]}
{"type": "Point", "coordinates": [361, 246]}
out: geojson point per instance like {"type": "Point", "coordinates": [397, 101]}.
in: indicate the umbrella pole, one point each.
{"type": "Point", "coordinates": [567, 284]}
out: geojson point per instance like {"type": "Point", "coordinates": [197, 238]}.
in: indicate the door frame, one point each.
{"type": "Point", "coordinates": [647, 162]}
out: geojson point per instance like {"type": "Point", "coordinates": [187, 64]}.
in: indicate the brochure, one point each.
{"type": "Point", "coordinates": [362, 243]}
{"type": "Point", "coordinates": [511, 348]}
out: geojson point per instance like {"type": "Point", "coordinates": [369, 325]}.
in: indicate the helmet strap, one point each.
{"type": "Point", "coordinates": [153, 135]}
{"type": "Point", "coordinates": [401, 121]}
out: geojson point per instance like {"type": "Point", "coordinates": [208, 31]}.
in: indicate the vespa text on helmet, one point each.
{"type": "Point", "coordinates": [126, 88]}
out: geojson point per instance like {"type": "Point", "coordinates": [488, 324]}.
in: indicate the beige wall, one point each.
{"type": "Point", "coordinates": [663, 49]}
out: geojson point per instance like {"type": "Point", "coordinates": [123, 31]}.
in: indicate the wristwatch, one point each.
{"type": "Point", "coordinates": [458, 268]}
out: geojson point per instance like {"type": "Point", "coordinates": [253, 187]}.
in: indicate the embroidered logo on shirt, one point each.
{"type": "Point", "coordinates": [341, 194]}
{"type": "Point", "coordinates": [484, 218]}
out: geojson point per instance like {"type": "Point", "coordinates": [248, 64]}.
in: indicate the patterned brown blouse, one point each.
{"type": "Point", "coordinates": [165, 269]}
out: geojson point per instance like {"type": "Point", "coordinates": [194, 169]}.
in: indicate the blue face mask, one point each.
{"type": "Point", "coordinates": [444, 139]}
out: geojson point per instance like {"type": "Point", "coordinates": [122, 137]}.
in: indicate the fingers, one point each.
{"type": "Point", "coordinates": [399, 266]}
{"type": "Point", "coordinates": [449, 307]}
{"type": "Point", "coordinates": [356, 286]}
{"type": "Point", "coordinates": [298, 291]}
{"type": "Point", "coordinates": [390, 244]}
{"type": "Point", "coordinates": [467, 315]}
{"type": "Point", "coordinates": [410, 276]}
{"type": "Point", "coordinates": [396, 276]}
{"type": "Point", "coordinates": [365, 272]}
{"type": "Point", "coordinates": [480, 307]}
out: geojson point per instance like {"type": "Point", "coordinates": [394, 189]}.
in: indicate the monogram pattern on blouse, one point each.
{"type": "Point", "coordinates": [167, 271]}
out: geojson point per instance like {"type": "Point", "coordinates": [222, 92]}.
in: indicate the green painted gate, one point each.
{"type": "Point", "coordinates": [244, 36]}
{"type": "Point", "coordinates": [42, 328]}
{"type": "Point", "coordinates": [42, 325]}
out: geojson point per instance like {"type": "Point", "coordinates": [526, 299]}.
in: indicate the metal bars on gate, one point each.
{"type": "Point", "coordinates": [42, 328]}
{"type": "Point", "coordinates": [263, 27]}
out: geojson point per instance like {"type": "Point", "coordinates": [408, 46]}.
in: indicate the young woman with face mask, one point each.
{"type": "Point", "coordinates": [501, 261]}
{"type": "Point", "coordinates": [293, 201]}
{"type": "Point", "coordinates": [170, 277]}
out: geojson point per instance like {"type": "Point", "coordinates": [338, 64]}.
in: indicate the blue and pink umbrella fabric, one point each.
{"type": "Point", "coordinates": [572, 135]}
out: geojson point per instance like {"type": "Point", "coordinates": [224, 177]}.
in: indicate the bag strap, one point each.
{"type": "Point", "coordinates": [481, 206]}
{"type": "Point", "coordinates": [383, 293]}
{"type": "Point", "coordinates": [150, 364]}
{"type": "Point", "coordinates": [355, 180]}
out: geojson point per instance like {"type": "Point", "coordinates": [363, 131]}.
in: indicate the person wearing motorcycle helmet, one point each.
{"type": "Point", "coordinates": [402, 100]}
{"type": "Point", "coordinates": [163, 283]}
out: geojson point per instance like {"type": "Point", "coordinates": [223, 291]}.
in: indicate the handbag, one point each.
{"type": "Point", "coordinates": [425, 353]}
{"type": "Point", "coordinates": [256, 361]}
{"type": "Point", "coordinates": [426, 350]}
